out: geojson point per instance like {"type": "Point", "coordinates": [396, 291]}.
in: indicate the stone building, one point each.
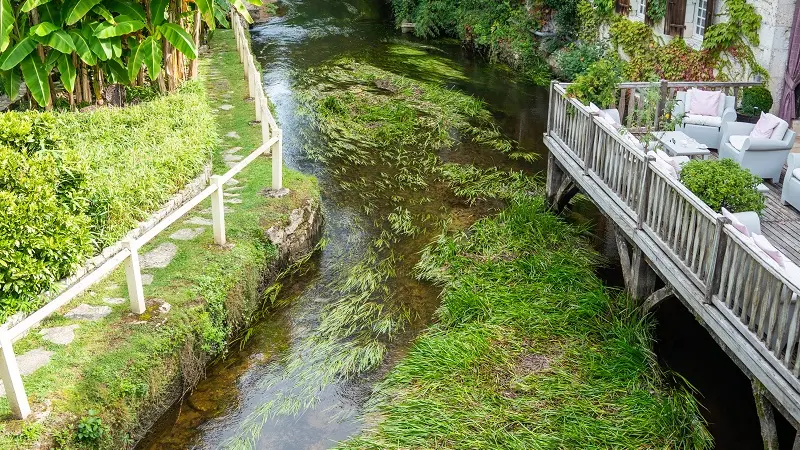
{"type": "Point", "coordinates": [691, 18]}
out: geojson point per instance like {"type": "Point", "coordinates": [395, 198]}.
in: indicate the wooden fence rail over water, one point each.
{"type": "Point", "coordinates": [272, 138]}
{"type": "Point", "coordinates": [737, 288]}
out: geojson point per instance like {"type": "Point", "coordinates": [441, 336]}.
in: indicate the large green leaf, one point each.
{"type": "Point", "coordinates": [126, 8]}
{"type": "Point", "coordinates": [35, 75]}
{"type": "Point", "coordinates": [119, 71]}
{"type": "Point", "coordinates": [51, 12]}
{"type": "Point", "coordinates": [6, 24]}
{"type": "Point", "coordinates": [239, 5]}
{"type": "Point", "coordinates": [15, 56]}
{"type": "Point", "coordinates": [61, 41]}
{"type": "Point", "coordinates": [101, 47]}
{"type": "Point", "coordinates": [101, 10]}
{"type": "Point", "coordinates": [67, 71]}
{"type": "Point", "coordinates": [149, 54]}
{"type": "Point", "coordinates": [81, 9]}
{"type": "Point", "coordinates": [43, 29]}
{"type": "Point", "coordinates": [51, 59]}
{"type": "Point", "coordinates": [12, 82]}
{"type": "Point", "coordinates": [82, 48]}
{"type": "Point", "coordinates": [116, 47]}
{"type": "Point", "coordinates": [30, 4]}
{"type": "Point", "coordinates": [125, 25]}
{"type": "Point", "coordinates": [157, 10]}
{"type": "Point", "coordinates": [179, 39]}
{"type": "Point", "coordinates": [206, 8]}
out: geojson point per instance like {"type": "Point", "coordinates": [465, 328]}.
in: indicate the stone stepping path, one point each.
{"type": "Point", "coordinates": [228, 209]}
{"type": "Point", "coordinates": [232, 182]}
{"type": "Point", "coordinates": [230, 157]}
{"type": "Point", "coordinates": [233, 150]}
{"type": "Point", "coordinates": [233, 135]}
{"type": "Point", "coordinates": [30, 362]}
{"type": "Point", "coordinates": [231, 194]}
{"type": "Point", "coordinates": [226, 107]}
{"type": "Point", "coordinates": [235, 201]}
{"type": "Point", "coordinates": [234, 188]}
{"type": "Point", "coordinates": [59, 335]}
{"type": "Point", "coordinates": [197, 220]}
{"type": "Point", "coordinates": [114, 301]}
{"type": "Point", "coordinates": [187, 234]}
{"type": "Point", "coordinates": [147, 279]}
{"type": "Point", "coordinates": [159, 257]}
{"type": "Point", "coordinates": [88, 312]}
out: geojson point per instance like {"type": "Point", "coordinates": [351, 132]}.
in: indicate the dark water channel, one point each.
{"type": "Point", "coordinates": [307, 34]}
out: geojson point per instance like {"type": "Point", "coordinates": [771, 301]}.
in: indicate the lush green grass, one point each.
{"type": "Point", "coordinates": [123, 365]}
{"type": "Point", "coordinates": [531, 352]}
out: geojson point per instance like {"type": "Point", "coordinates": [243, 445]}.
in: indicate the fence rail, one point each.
{"type": "Point", "coordinates": [730, 272]}
{"type": "Point", "coordinates": [272, 141]}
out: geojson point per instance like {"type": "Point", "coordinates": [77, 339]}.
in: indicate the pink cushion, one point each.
{"type": "Point", "coordinates": [766, 124]}
{"type": "Point", "coordinates": [705, 103]}
{"type": "Point", "coordinates": [740, 227]}
{"type": "Point", "coordinates": [762, 243]}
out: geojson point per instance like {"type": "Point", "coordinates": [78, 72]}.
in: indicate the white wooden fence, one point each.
{"type": "Point", "coordinates": [729, 272]}
{"type": "Point", "coordinates": [272, 138]}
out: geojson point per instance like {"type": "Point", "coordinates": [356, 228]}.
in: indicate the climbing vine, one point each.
{"type": "Point", "coordinates": [731, 42]}
{"type": "Point", "coordinates": [656, 10]}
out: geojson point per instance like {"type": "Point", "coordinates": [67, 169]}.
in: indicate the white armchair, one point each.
{"type": "Point", "coordinates": [704, 129]}
{"type": "Point", "coordinates": [763, 157]}
{"type": "Point", "coordinates": [791, 184]}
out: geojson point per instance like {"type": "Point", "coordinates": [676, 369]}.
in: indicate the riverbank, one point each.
{"type": "Point", "coordinates": [101, 378]}
{"type": "Point", "coordinates": [531, 351]}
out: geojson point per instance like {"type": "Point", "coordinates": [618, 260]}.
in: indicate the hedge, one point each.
{"type": "Point", "coordinates": [72, 183]}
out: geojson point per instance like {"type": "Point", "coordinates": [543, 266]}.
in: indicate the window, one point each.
{"type": "Point", "coordinates": [642, 7]}
{"type": "Point", "coordinates": [701, 17]}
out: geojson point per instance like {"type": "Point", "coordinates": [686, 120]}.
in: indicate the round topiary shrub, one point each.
{"type": "Point", "coordinates": [754, 100]}
{"type": "Point", "coordinates": [723, 184]}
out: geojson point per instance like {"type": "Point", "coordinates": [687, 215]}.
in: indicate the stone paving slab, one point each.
{"type": "Point", "coordinates": [233, 135]}
{"type": "Point", "coordinates": [114, 300]}
{"type": "Point", "coordinates": [228, 209]}
{"type": "Point", "coordinates": [159, 257]}
{"type": "Point", "coordinates": [199, 221]}
{"type": "Point", "coordinates": [233, 200]}
{"type": "Point", "coordinates": [30, 362]}
{"type": "Point", "coordinates": [226, 107]}
{"type": "Point", "coordinates": [232, 182]}
{"type": "Point", "coordinates": [230, 157]}
{"type": "Point", "coordinates": [147, 279]}
{"type": "Point", "coordinates": [88, 312]}
{"type": "Point", "coordinates": [233, 150]}
{"type": "Point", "coordinates": [187, 234]}
{"type": "Point", "coordinates": [59, 335]}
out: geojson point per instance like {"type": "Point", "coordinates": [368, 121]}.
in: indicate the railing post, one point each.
{"type": "Point", "coordinates": [590, 148]}
{"type": "Point", "coordinates": [133, 274]}
{"type": "Point", "coordinates": [644, 193]}
{"type": "Point", "coordinates": [265, 123]}
{"type": "Point", "coordinates": [277, 161]}
{"type": "Point", "coordinates": [662, 102]}
{"type": "Point", "coordinates": [12, 380]}
{"type": "Point", "coordinates": [717, 253]}
{"type": "Point", "coordinates": [550, 102]}
{"type": "Point", "coordinates": [218, 210]}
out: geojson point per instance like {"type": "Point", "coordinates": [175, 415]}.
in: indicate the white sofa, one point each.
{"type": "Point", "coordinates": [791, 184]}
{"type": "Point", "coordinates": [763, 157]}
{"type": "Point", "coordinates": [704, 129]}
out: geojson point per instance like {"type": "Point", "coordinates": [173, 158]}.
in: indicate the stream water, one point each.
{"type": "Point", "coordinates": [274, 362]}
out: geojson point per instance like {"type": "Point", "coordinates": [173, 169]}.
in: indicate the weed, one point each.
{"type": "Point", "coordinates": [90, 428]}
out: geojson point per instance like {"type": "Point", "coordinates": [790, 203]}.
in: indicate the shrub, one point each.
{"type": "Point", "coordinates": [29, 132]}
{"type": "Point", "coordinates": [90, 428]}
{"type": "Point", "coordinates": [633, 37]}
{"type": "Point", "coordinates": [723, 184]}
{"type": "Point", "coordinates": [674, 61]}
{"type": "Point", "coordinates": [755, 99]}
{"type": "Point", "coordinates": [577, 58]}
{"type": "Point", "coordinates": [599, 84]}
{"type": "Point", "coordinates": [43, 233]}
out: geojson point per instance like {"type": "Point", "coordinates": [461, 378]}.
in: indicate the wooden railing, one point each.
{"type": "Point", "coordinates": [730, 272]}
{"type": "Point", "coordinates": [129, 255]}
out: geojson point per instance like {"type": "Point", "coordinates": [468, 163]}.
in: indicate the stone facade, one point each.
{"type": "Point", "coordinates": [773, 51]}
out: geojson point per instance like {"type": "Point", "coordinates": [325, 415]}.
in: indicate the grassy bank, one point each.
{"type": "Point", "coordinates": [530, 351]}
{"type": "Point", "coordinates": [127, 369]}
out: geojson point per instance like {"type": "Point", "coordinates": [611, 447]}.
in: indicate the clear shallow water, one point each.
{"type": "Point", "coordinates": [308, 34]}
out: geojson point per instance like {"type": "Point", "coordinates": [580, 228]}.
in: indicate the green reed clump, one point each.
{"type": "Point", "coordinates": [531, 352]}
{"type": "Point", "coordinates": [475, 184]}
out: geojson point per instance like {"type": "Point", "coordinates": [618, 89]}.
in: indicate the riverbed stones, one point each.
{"type": "Point", "coordinates": [114, 300]}
{"type": "Point", "coordinates": [159, 257]}
{"type": "Point", "coordinates": [88, 312]}
{"type": "Point", "coordinates": [226, 107]}
{"type": "Point", "coordinates": [59, 335]}
{"type": "Point", "coordinates": [197, 220]}
{"type": "Point", "coordinates": [233, 135]}
{"type": "Point", "coordinates": [187, 234]}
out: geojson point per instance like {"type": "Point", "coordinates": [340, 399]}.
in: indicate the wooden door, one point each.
{"type": "Point", "coordinates": [675, 22]}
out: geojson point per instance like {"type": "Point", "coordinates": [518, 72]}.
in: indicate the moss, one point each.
{"type": "Point", "coordinates": [131, 368]}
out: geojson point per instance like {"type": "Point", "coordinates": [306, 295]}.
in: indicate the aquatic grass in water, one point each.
{"type": "Point", "coordinates": [531, 352]}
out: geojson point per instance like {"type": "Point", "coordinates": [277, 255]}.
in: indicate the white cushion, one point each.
{"type": "Point", "coordinates": [780, 131]}
{"type": "Point", "coordinates": [796, 173]}
{"type": "Point", "coordinates": [706, 103]}
{"type": "Point", "coordinates": [792, 272]}
{"type": "Point", "coordinates": [762, 243]}
{"type": "Point", "coordinates": [594, 109]}
{"type": "Point", "coordinates": [740, 227]}
{"type": "Point", "coordinates": [738, 142]}
{"type": "Point", "coordinates": [765, 126]}
{"type": "Point", "coordinates": [661, 164]}
{"type": "Point", "coordinates": [708, 121]}
{"type": "Point", "coordinates": [631, 139]}
{"type": "Point", "coordinates": [605, 117]}
{"type": "Point", "coordinates": [668, 159]}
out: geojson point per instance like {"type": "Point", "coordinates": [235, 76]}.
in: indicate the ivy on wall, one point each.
{"type": "Point", "coordinates": [731, 43]}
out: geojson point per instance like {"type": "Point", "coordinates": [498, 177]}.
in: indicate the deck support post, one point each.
{"type": "Point", "coordinates": [560, 186]}
{"type": "Point", "coordinates": [796, 445]}
{"type": "Point", "coordinates": [766, 415]}
{"type": "Point", "coordinates": [656, 298]}
{"type": "Point", "coordinates": [640, 279]}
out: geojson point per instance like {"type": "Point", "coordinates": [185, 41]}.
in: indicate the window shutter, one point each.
{"type": "Point", "coordinates": [623, 6]}
{"type": "Point", "coordinates": [675, 21]}
{"type": "Point", "coordinates": [710, 7]}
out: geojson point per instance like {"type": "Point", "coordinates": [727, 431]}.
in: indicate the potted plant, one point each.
{"type": "Point", "coordinates": [755, 100]}
{"type": "Point", "coordinates": [722, 183]}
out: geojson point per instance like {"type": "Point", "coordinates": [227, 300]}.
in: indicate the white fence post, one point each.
{"type": "Point", "coordinates": [12, 380]}
{"type": "Point", "coordinates": [218, 210]}
{"type": "Point", "coordinates": [264, 122]}
{"type": "Point", "coordinates": [133, 273]}
{"type": "Point", "coordinates": [259, 101]}
{"type": "Point", "coordinates": [277, 161]}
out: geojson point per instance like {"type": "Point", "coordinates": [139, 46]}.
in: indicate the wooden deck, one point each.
{"type": "Point", "coordinates": [748, 306]}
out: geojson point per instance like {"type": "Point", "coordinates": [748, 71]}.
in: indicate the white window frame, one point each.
{"type": "Point", "coordinates": [700, 14]}
{"type": "Point", "coordinates": [642, 8]}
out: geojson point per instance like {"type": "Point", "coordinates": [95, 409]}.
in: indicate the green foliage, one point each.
{"type": "Point", "coordinates": [599, 84]}
{"type": "Point", "coordinates": [656, 10]}
{"type": "Point", "coordinates": [633, 37]}
{"type": "Point", "coordinates": [723, 184]}
{"type": "Point", "coordinates": [576, 59]}
{"type": "Point", "coordinates": [731, 42]}
{"type": "Point", "coordinates": [605, 8]}
{"type": "Point", "coordinates": [755, 99]}
{"type": "Point", "coordinates": [589, 18]}
{"type": "Point", "coordinates": [675, 61]}
{"type": "Point", "coordinates": [90, 428]}
{"type": "Point", "coordinates": [530, 351]}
